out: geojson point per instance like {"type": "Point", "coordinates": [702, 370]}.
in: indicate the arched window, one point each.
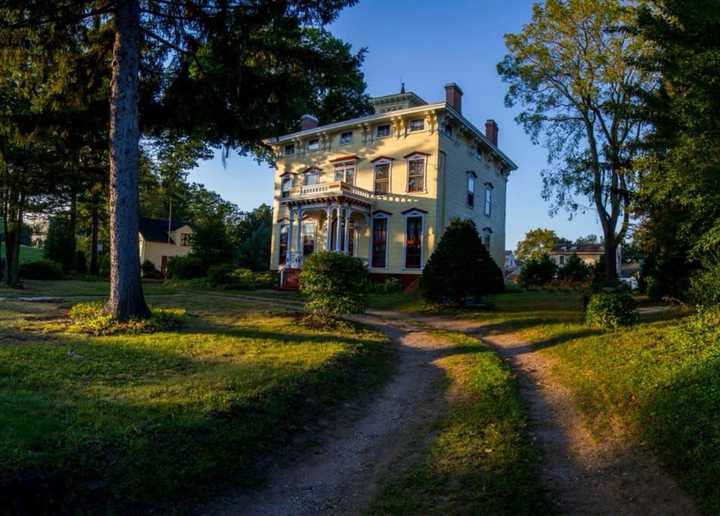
{"type": "Point", "coordinates": [471, 176]}
{"type": "Point", "coordinates": [311, 176]}
{"type": "Point", "coordinates": [379, 240]}
{"type": "Point", "coordinates": [488, 199]}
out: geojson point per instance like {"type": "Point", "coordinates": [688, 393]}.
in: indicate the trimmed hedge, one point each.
{"type": "Point", "coordinates": [334, 284]}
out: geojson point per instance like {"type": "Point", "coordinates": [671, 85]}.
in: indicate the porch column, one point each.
{"type": "Point", "coordinates": [290, 237]}
{"type": "Point", "coordinates": [346, 244]}
{"type": "Point", "coordinates": [338, 227]}
{"type": "Point", "coordinates": [299, 248]}
{"type": "Point", "coordinates": [328, 227]}
{"type": "Point", "coordinates": [370, 238]}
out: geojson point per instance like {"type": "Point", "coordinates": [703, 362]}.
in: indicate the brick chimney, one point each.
{"type": "Point", "coordinates": [308, 122]}
{"type": "Point", "coordinates": [491, 132]}
{"type": "Point", "coordinates": [453, 96]}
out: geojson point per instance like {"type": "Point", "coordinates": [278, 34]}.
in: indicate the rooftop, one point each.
{"type": "Point", "coordinates": [156, 230]}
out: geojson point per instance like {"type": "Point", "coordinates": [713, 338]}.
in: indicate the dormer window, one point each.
{"type": "Point", "coordinates": [311, 177]}
{"type": "Point", "coordinates": [382, 131]}
{"type": "Point", "coordinates": [418, 124]}
{"type": "Point", "coordinates": [346, 137]}
{"type": "Point", "coordinates": [289, 149]}
{"type": "Point", "coordinates": [313, 145]}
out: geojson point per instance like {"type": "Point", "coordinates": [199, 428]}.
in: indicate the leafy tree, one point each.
{"type": "Point", "coordinates": [537, 272]}
{"type": "Point", "coordinates": [575, 73]}
{"type": "Point", "coordinates": [589, 239]}
{"type": "Point", "coordinates": [229, 64]}
{"type": "Point", "coordinates": [252, 236]}
{"type": "Point", "coordinates": [460, 267]}
{"type": "Point", "coordinates": [679, 189]}
{"type": "Point", "coordinates": [56, 244]}
{"type": "Point", "coordinates": [537, 242]}
{"type": "Point", "coordinates": [574, 270]}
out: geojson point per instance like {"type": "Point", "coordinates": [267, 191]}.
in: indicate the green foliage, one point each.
{"type": "Point", "coordinates": [705, 285]}
{"type": "Point", "coordinates": [460, 267]}
{"type": "Point", "coordinates": [267, 279]}
{"type": "Point", "coordinates": [333, 284]}
{"type": "Point", "coordinates": [679, 190]}
{"type": "Point", "coordinates": [537, 272]}
{"type": "Point", "coordinates": [610, 310]}
{"type": "Point", "coordinates": [186, 267]}
{"type": "Point", "coordinates": [252, 234]}
{"type": "Point", "coordinates": [219, 274]}
{"type": "Point", "coordinates": [242, 279]}
{"type": "Point", "coordinates": [575, 271]}
{"type": "Point", "coordinates": [148, 268]}
{"type": "Point", "coordinates": [41, 270]}
{"type": "Point", "coordinates": [91, 318]}
{"type": "Point", "coordinates": [537, 242]}
{"type": "Point", "coordinates": [56, 243]}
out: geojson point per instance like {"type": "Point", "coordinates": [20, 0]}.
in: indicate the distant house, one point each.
{"type": "Point", "coordinates": [588, 253]}
{"type": "Point", "coordinates": [511, 266]}
{"type": "Point", "coordinates": [160, 240]}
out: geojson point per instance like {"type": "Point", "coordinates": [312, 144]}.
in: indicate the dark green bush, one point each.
{"type": "Point", "coordinates": [186, 267]}
{"type": "Point", "coordinates": [460, 267]}
{"type": "Point", "coordinates": [705, 284]}
{"type": "Point", "coordinates": [334, 284]}
{"type": "Point", "coordinates": [537, 272]}
{"type": "Point", "coordinates": [149, 270]}
{"type": "Point", "coordinates": [392, 286]}
{"type": "Point", "coordinates": [267, 279]}
{"type": "Point", "coordinates": [243, 279]}
{"type": "Point", "coordinates": [575, 271]}
{"type": "Point", "coordinates": [610, 310]}
{"type": "Point", "coordinates": [220, 274]}
{"type": "Point", "coordinates": [41, 270]}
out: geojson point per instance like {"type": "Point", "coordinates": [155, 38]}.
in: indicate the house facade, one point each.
{"type": "Point", "coordinates": [590, 254]}
{"type": "Point", "coordinates": [384, 187]}
{"type": "Point", "coordinates": [161, 240]}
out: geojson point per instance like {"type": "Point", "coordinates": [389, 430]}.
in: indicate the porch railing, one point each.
{"type": "Point", "coordinates": [335, 188]}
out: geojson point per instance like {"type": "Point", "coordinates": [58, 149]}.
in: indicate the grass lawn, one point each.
{"type": "Point", "coordinates": [656, 384]}
{"type": "Point", "coordinates": [480, 460]}
{"type": "Point", "coordinates": [133, 422]}
{"type": "Point", "coordinates": [27, 253]}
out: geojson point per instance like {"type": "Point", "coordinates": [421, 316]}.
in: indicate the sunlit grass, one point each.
{"type": "Point", "coordinates": [150, 418]}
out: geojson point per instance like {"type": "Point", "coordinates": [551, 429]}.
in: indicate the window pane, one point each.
{"type": "Point", "coordinates": [488, 200]}
{"type": "Point", "coordinates": [339, 173]}
{"type": "Point", "coordinates": [416, 175]}
{"type": "Point", "coordinates": [346, 137]}
{"type": "Point", "coordinates": [309, 236]}
{"type": "Point", "coordinates": [413, 248]}
{"type": "Point", "coordinates": [417, 124]}
{"type": "Point", "coordinates": [382, 178]}
{"type": "Point", "coordinates": [379, 244]}
{"type": "Point", "coordinates": [350, 175]}
{"type": "Point", "coordinates": [290, 149]}
{"type": "Point", "coordinates": [313, 144]}
{"type": "Point", "coordinates": [383, 130]}
{"type": "Point", "coordinates": [283, 244]}
{"type": "Point", "coordinates": [311, 178]}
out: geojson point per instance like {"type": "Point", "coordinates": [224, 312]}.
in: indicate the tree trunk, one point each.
{"type": "Point", "coordinates": [94, 229]}
{"type": "Point", "coordinates": [72, 231]}
{"type": "Point", "coordinates": [126, 292]}
{"type": "Point", "coordinates": [611, 245]}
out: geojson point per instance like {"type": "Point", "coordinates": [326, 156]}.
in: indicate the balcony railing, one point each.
{"type": "Point", "coordinates": [324, 190]}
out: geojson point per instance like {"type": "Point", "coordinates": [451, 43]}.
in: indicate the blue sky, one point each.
{"type": "Point", "coordinates": [427, 43]}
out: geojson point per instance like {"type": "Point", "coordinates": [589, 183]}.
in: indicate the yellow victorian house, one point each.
{"type": "Point", "coordinates": [384, 187]}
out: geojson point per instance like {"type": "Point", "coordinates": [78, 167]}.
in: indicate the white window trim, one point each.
{"type": "Point", "coordinates": [349, 142]}
{"type": "Point", "coordinates": [487, 206]}
{"type": "Point", "coordinates": [471, 176]}
{"type": "Point", "coordinates": [386, 217]}
{"type": "Point", "coordinates": [375, 131]}
{"type": "Point", "coordinates": [311, 171]}
{"type": "Point", "coordinates": [383, 162]}
{"type": "Point", "coordinates": [345, 164]}
{"type": "Point", "coordinates": [414, 213]}
{"type": "Point", "coordinates": [303, 233]}
{"type": "Point", "coordinates": [283, 178]}
{"type": "Point", "coordinates": [409, 125]}
{"type": "Point", "coordinates": [416, 157]}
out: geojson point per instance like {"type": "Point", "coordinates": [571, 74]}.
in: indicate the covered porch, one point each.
{"type": "Point", "coordinates": [339, 223]}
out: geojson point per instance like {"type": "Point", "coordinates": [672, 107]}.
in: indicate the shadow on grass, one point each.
{"type": "Point", "coordinates": [88, 451]}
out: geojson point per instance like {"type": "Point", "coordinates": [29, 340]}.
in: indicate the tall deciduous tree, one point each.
{"type": "Point", "coordinates": [537, 242]}
{"type": "Point", "coordinates": [575, 73]}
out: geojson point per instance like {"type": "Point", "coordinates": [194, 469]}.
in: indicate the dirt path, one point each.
{"type": "Point", "coordinates": [341, 475]}
{"type": "Point", "coordinates": [583, 475]}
